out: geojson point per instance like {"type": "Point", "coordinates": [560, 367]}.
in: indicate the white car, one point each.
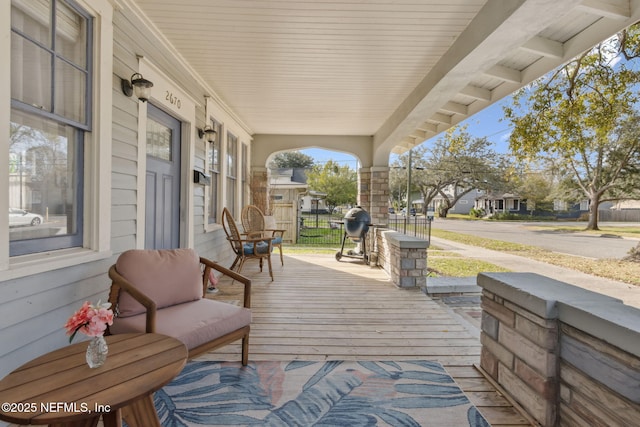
{"type": "Point", "coordinates": [22, 217]}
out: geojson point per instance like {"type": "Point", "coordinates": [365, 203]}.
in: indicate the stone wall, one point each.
{"type": "Point", "coordinates": [568, 356]}
{"type": "Point", "coordinates": [403, 257]}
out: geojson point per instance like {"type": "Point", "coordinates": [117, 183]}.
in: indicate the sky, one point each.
{"type": "Point", "coordinates": [485, 123]}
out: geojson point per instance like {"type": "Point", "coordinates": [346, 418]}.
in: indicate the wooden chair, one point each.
{"type": "Point", "coordinates": [255, 225]}
{"type": "Point", "coordinates": [163, 291]}
{"type": "Point", "coordinates": [245, 248]}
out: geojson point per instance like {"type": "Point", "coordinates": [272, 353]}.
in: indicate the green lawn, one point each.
{"type": "Point", "coordinates": [622, 271]}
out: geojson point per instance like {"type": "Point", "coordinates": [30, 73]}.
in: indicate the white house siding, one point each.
{"type": "Point", "coordinates": [35, 307]}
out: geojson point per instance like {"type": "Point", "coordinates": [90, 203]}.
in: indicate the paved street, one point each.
{"type": "Point", "coordinates": [580, 244]}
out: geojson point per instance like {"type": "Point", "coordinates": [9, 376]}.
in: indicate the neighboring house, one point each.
{"type": "Point", "coordinates": [313, 202]}
{"type": "Point", "coordinates": [625, 205]}
{"type": "Point", "coordinates": [287, 184]}
{"type": "Point", "coordinates": [286, 187]}
{"type": "Point", "coordinates": [501, 203]}
{"type": "Point", "coordinates": [462, 206]}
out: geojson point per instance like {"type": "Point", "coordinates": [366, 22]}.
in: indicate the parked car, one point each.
{"type": "Point", "coordinates": [413, 211]}
{"type": "Point", "coordinates": [22, 217]}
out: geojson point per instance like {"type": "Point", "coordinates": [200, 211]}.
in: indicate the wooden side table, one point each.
{"type": "Point", "coordinates": [60, 389]}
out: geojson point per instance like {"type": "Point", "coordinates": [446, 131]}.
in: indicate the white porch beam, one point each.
{"type": "Point", "coordinates": [545, 47]}
{"type": "Point", "coordinates": [441, 118]}
{"type": "Point", "coordinates": [456, 108]}
{"type": "Point", "coordinates": [419, 134]}
{"type": "Point", "coordinates": [428, 127]}
{"type": "Point", "coordinates": [504, 73]}
{"type": "Point", "coordinates": [476, 92]}
{"type": "Point", "coordinates": [613, 9]}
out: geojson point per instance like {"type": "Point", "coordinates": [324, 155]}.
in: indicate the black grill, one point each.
{"type": "Point", "coordinates": [356, 225]}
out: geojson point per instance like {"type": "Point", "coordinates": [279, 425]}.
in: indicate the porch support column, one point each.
{"type": "Point", "coordinates": [259, 189]}
{"type": "Point", "coordinates": [373, 193]}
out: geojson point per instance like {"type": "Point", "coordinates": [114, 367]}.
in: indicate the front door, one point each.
{"type": "Point", "coordinates": [162, 200]}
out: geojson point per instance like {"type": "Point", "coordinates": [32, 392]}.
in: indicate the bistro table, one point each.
{"type": "Point", "coordinates": [60, 389]}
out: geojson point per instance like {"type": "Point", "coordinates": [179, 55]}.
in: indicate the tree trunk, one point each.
{"type": "Point", "coordinates": [593, 213]}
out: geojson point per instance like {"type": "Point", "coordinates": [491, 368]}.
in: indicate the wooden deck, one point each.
{"type": "Point", "coordinates": [320, 309]}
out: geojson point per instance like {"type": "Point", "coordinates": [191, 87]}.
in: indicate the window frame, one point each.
{"type": "Point", "coordinates": [212, 212]}
{"type": "Point", "coordinates": [72, 238]}
{"type": "Point", "coordinates": [231, 172]}
{"type": "Point", "coordinates": [95, 211]}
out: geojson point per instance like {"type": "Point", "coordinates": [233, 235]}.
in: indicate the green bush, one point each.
{"type": "Point", "coordinates": [508, 216]}
{"type": "Point", "coordinates": [476, 213]}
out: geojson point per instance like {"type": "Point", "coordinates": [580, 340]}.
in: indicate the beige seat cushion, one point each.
{"type": "Point", "coordinates": [168, 277]}
{"type": "Point", "coordinates": [194, 323]}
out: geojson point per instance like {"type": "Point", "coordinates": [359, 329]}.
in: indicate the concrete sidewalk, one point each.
{"type": "Point", "coordinates": [629, 294]}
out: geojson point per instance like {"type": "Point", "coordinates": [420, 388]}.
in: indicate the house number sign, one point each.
{"type": "Point", "coordinates": [173, 100]}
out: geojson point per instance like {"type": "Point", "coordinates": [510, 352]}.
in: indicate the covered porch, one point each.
{"type": "Point", "coordinates": [367, 78]}
{"type": "Point", "coordinates": [357, 313]}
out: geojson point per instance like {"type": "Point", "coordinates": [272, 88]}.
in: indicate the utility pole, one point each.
{"type": "Point", "coordinates": [409, 184]}
{"type": "Point", "coordinates": [407, 214]}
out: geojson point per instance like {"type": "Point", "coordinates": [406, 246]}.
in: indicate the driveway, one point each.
{"type": "Point", "coordinates": [528, 233]}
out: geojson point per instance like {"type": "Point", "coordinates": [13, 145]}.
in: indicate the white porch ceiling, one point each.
{"type": "Point", "coordinates": [402, 71]}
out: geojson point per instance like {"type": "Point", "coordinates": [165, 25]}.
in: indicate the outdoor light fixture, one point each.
{"type": "Point", "coordinates": [138, 85]}
{"type": "Point", "coordinates": [209, 132]}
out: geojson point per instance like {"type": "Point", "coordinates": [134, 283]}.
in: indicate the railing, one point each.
{"type": "Point", "coordinates": [418, 225]}
{"type": "Point", "coordinates": [320, 229]}
{"type": "Point", "coordinates": [323, 229]}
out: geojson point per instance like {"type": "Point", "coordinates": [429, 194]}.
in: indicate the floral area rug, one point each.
{"type": "Point", "coordinates": [299, 393]}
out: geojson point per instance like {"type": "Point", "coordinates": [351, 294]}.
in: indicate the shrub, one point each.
{"type": "Point", "coordinates": [476, 213]}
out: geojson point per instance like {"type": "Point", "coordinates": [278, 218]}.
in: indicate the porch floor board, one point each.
{"type": "Point", "coordinates": [320, 309]}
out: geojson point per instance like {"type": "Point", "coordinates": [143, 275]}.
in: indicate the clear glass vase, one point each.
{"type": "Point", "coordinates": [97, 352]}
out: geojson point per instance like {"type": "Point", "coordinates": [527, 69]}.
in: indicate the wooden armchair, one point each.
{"type": "Point", "coordinates": [255, 225]}
{"type": "Point", "coordinates": [245, 248]}
{"type": "Point", "coordinates": [163, 291]}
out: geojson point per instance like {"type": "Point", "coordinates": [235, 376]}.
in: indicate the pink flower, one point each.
{"type": "Point", "coordinates": [91, 320]}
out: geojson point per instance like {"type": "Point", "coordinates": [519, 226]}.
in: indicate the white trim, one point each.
{"type": "Point", "coordinates": [207, 192]}
{"type": "Point", "coordinates": [5, 111]}
{"type": "Point", "coordinates": [213, 111]}
{"type": "Point", "coordinates": [167, 95]}
{"type": "Point", "coordinates": [97, 171]}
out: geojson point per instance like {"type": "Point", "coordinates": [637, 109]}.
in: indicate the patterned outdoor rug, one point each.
{"type": "Point", "coordinates": [298, 393]}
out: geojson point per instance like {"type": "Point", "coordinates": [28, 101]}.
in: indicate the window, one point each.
{"type": "Point", "coordinates": [244, 175]}
{"type": "Point", "coordinates": [232, 172]}
{"type": "Point", "coordinates": [50, 93]}
{"type": "Point", "coordinates": [213, 161]}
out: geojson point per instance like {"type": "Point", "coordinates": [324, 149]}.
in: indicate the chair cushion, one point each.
{"type": "Point", "coordinates": [262, 247]}
{"type": "Point", "coordinates": [194, 323]}
{"type": "Point", "coordinates": [168, 277]}
{"type": "Point", "coordinates": [276, 241]}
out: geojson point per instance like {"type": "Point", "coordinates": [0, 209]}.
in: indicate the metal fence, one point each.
{"type": "Point", "coordinates": [320, 229]}
{"type": "Point", "coordinates": [418, 225]}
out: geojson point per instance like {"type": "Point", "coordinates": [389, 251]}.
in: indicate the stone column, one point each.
{"type": "Point", "coordinates": [520, 344]}
{"type": "Point", "coordinates": [379, 190]}
{"type": "Point", "coordinates": [403, 257]}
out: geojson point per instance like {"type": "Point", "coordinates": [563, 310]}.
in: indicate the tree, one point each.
{"type": "Point", "coordinates": [582, 118]}
{"type": "Point", "coordinates": [535, 186]}
{"type": "Point", "coordinates": [291, 159]}
{"type": "Point", "coordinates": [455, 165]}
{"type": "Point", "coordinates": [339, 183]}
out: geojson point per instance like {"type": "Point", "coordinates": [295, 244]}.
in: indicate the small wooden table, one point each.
{"type": "Point", "coordinates": [60, 389]}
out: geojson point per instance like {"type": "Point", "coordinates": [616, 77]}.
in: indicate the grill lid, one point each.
{"type": "Point", "coordinates": [356, 222]}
